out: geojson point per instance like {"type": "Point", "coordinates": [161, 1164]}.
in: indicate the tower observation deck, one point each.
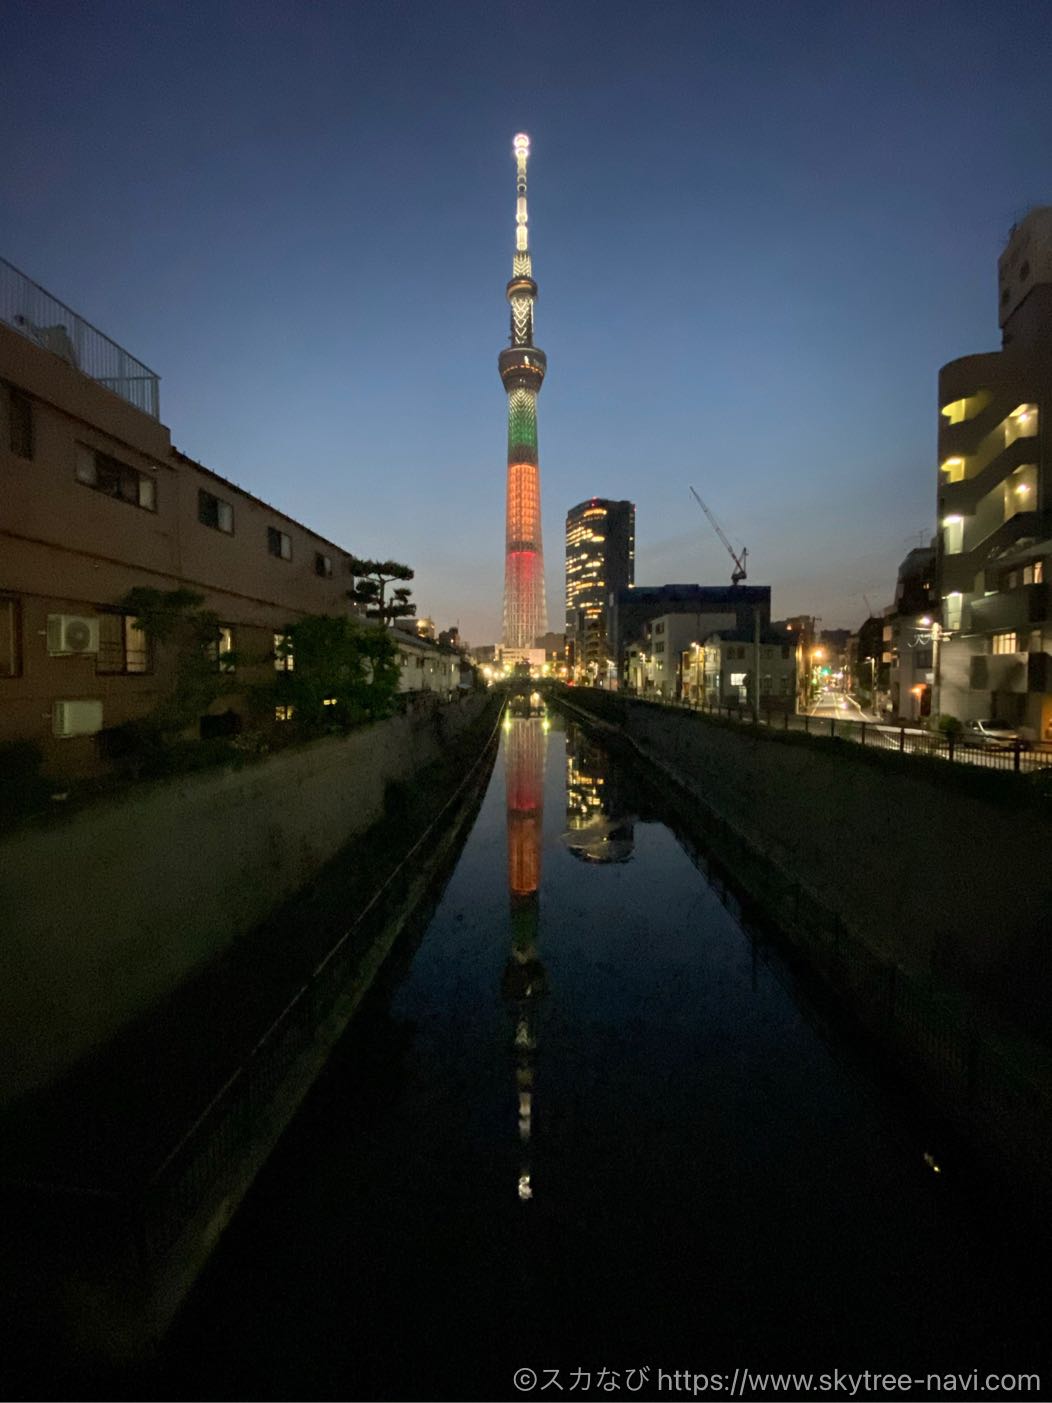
{"type": "Point", "coordinates": [522, 368]}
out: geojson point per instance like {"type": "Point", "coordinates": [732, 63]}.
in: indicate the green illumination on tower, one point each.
{"type": "Point", "coordinates": [522, 368]}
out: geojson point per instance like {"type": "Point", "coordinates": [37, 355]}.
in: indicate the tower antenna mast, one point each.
{"type": "Point", "coordinates": [522, 368]}
{"type": "Point", "coordinates": [739, 573]}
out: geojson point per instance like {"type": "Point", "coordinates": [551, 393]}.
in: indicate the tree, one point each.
{"type": "Point", "coordinates": [342, 673]}
{"type": "Point", "coordinates": [190, 635]}
{"type": "Point", "coordinates": [371, 580]}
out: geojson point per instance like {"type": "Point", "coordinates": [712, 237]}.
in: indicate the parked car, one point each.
{"type": "Point", "coordinates": [991, 735]}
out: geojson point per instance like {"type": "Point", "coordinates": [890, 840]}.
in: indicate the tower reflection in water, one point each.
{"type": "Point", "coordinates": [597, 827]}
{"type": "Point", "coordinates": [525, 981]}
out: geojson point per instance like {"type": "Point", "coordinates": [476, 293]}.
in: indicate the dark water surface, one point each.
{"type": "Point", "coordinates": [588, 1124]}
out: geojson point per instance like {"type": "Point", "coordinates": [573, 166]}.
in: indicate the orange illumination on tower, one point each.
{"type": "Point", "coordinates": [522, 368]}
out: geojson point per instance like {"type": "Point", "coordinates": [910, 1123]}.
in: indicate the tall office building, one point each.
{"type": "Point", "coordinates": [600, 560]}
{"type": "Point", "coordinates": [522, 367]}
{"type": "Point", "coordinates": [994, 553]}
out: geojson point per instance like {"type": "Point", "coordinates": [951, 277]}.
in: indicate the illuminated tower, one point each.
{"type": "Point", "coordinates": [522, 368]}
{"type": "Point", "coordinates": [525, 980]}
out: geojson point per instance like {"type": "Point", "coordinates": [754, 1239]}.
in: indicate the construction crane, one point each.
{"type": "Point", "coordinates": [739, 572]}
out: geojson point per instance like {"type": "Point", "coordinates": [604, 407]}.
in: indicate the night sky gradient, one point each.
{"type": "Point", "coordinates": [757, 230]}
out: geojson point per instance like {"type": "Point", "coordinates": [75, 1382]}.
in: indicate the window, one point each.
{"type": "Point", "coordinates": [278, 543]}
{"type": "Point", "coordinates": [123, 648]}
{"type": "Point", "coordinates": [214, 512]}
{"type": "Point", "coordinates": [115, 479]}
{"type": "Point", "coordinates": [10, 638]}
{"type": "Point", "coordinates": [220, 650]}
{"type": "Point", "coordinates": [19, 423]}
{"type": "Point", "coordinates": [659, 647]}
{"type": "Point", "coordinates": [284, 713]}
{"type": "Point", "coordinates": [952, 609]}
{"type": "Point", "coordinates": [323, 565]}
{"type": "Point", "coordinates": [738, 679]}
{"type": "Point", "coordinates": [1003, 643]}
{"type": "Point", "coordinates": [283, 659]}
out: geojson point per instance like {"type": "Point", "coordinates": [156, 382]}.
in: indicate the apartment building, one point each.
{"type": "Point", "coordinates": [993, 642]}
{"type": "Point", "coordinates": [95, 502]}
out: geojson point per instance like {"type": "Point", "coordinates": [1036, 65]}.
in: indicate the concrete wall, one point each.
{"type": "Point", "coordinates": [920, 870]}
{"type": "Point", "coordinates": [108, 910]}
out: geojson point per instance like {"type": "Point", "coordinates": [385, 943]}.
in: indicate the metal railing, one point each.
{"type": "Point", "coordinates": [43, 319]}
{"type": "Point", "coordinates": [921, 1018]}
{"type": "Point", "coordinates": [1017, 755]}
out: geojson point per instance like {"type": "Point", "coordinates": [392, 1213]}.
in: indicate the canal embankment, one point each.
{"type": "Point", "coordinates": [125, 1171]}
{"type": "Point", "coordinates": [106, 912]}
{"type": "Point", "coordinates": [920, 894]}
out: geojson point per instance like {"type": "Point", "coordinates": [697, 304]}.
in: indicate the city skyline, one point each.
{"type": "Point", "coordinates": [751, 290]}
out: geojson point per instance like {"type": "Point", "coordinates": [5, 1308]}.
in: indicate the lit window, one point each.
{"type": "Point", "coordinates": [284, 713]}
{"type": "Point", "coordinates": [213, 511]}
{"type": "Point", "coordinates": [107, 475]}
{"type": "Point", "coordinates": [220, 651]}
{"type": "Point", "coordinates": [278, 543]}
{"type": "Point", "coordinates": [283, 659]}
{"type": "Point", "coordinates": [1003, 643]}
{"type": "Point", "coordinates": [123, 648]}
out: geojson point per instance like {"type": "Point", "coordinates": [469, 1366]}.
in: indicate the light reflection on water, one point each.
{"type": "Point", "coordinates": [593, 1122]}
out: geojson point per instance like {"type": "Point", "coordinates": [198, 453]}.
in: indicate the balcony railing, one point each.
{"type": "Point", "coordinates": [50, 323]}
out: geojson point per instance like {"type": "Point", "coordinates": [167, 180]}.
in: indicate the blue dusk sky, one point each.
{"type": "Point", "coordinates": [758, 231]}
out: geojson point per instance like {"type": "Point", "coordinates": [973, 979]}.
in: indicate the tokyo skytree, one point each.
{"type": "Point", "coordinates": [522, 367]}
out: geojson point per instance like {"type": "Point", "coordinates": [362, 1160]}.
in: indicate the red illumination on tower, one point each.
{"type": "Point", "coordinates": [522, 368]}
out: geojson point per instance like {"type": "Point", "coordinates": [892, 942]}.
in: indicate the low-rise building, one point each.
{"type": "Point", "coordinates": [426, 666]}
{"type": "Point", "coordinates": [96, 503]}
{"type": "Point", "coordinates": [720, 671]}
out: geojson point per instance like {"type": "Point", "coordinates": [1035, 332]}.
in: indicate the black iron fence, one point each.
{"type": "Point", "coordinates": [1015, 755]}
{"type": "Point", "coordinates": [999, 1088]}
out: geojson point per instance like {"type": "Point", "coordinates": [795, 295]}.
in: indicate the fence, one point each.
{"type": "Point", "coordinates": [919, 1018]}
{"type": "Point", "coordinates": [1013, 755]}
{"type": "Point", "coordinates": [43, 319]}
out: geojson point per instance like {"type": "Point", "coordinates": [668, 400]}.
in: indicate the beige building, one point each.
{"type": "Point", "coordinates": [994, 637]}
{"type": "Point", "coordinates": [96, 501]}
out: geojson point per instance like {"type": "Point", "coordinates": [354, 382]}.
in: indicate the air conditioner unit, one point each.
{"type": "Point", "coordinates": [72, 633]}
{"type": "Point", "coordinates": [76, 718]}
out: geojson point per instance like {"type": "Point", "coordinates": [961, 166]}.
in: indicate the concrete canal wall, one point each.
{"type": "Point", "coordinates": [936, 871]}
{"type": "Point", "coordinates": [108, 910]}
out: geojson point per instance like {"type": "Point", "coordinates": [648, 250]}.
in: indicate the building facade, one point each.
{"type": "Point", "coordinates": [993, 637]}
{"type": "Point", "coordinates": [907, 637]}
{"type": "Point", "coordinates": [97, 503]}
{"type": "Point", "coordinates": [708, 607]}
{"type": "Point", "coordinates": [522, 367]}
{"type": "Point", "coordinates": [600, 560]}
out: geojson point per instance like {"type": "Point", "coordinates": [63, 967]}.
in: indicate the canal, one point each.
{"type": "Point", "coordinates": [591, 1122]}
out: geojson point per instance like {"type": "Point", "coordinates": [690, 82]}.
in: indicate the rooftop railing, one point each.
{"type": "Point", "coordinates": [39, 317]}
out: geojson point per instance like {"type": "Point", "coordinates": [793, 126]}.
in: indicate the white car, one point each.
{"type": "Point", "coordinates": [992, 735]}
